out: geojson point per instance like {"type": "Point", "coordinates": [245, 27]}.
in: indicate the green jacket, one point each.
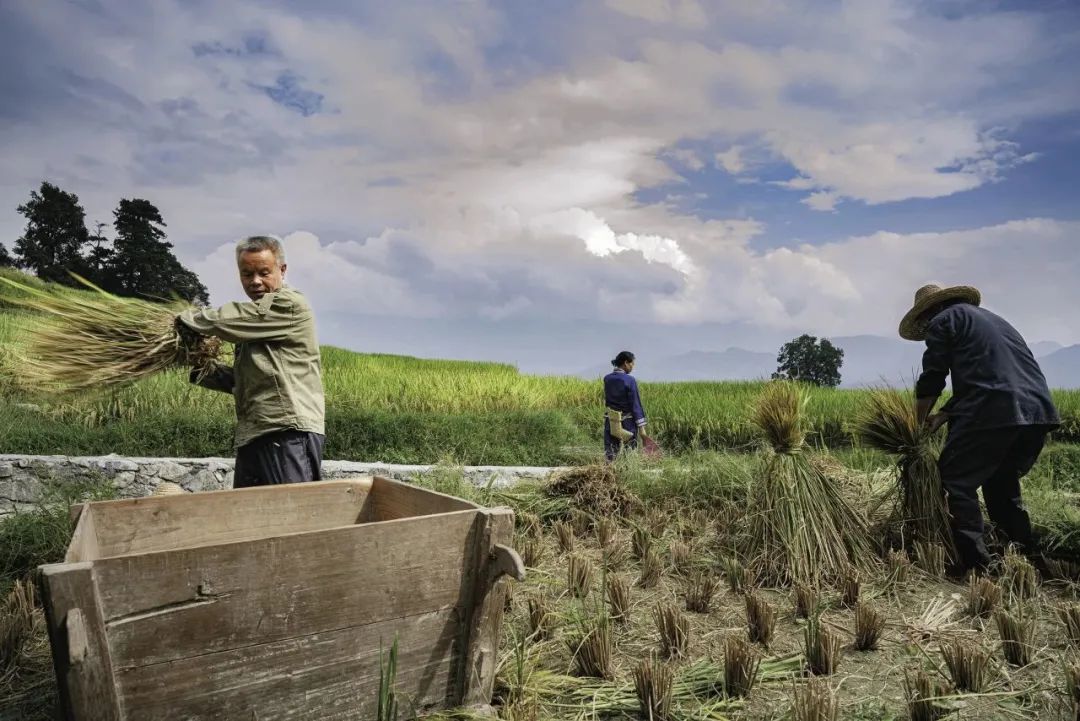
{"type": "Point", "coordinates": [276, 377]}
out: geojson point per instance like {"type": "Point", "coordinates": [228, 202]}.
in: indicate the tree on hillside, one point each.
{"type": "Point", "coordinates": [98, 260]}
{"type": "Point", "coordinates": [809, 360]}
{"type": "Point", "coordinates": [6, 260]}
{"type": "Point", "coordinates": [55, 234]}
{"type": "Point", "coordinates": [142, 261]}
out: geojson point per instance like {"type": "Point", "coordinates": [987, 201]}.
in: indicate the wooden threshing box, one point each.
{"type": "Point", "coordinates": [272, 603]}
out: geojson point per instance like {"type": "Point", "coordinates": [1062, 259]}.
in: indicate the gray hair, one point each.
{"type": "Point", "coordinates": [256, 243]}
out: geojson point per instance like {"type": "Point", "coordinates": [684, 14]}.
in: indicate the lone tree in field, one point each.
{"type": "Point", "coordinates": [55, 234]}
{"type": "Point", "coordinates": [810, 360]}
{"type": "Point", "coordinates": [142, 261]}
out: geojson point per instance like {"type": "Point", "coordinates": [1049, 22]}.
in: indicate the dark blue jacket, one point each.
{"type": "Point", "coordinates": [621, 394]}
{"type": "Point", "coordinates": [996, 380]}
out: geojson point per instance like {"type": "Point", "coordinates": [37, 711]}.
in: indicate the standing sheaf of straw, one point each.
{"type": "Point", "coordinates": [803, 528]}
{"type": "Point", "coordinates": [887, 421]}
{"type": "Point", "coordinates": [93, 340]}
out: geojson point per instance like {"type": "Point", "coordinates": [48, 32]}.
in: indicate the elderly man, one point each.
{"type": "Point", "coordinates": [276, 377]}
{"type": "Point", "coordinates": [999, 415]}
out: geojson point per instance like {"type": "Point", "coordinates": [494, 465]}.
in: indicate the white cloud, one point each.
{"type": "Point", "coordinates": [446, 175]}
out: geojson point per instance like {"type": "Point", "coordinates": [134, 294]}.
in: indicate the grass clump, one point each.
{"type": "Point", "coordinates": [925, 696]}
{"type": "Point", "coordinates": [700, 589]}
{"type": "Point", "coordinates": [805, 600]}
{"type": "Point", "coordinates": [1016, 635]}
{"type": "Point", "coordinates": [1070, 619]}
{"type": "Point", "coordinates": [652, 568]}
{"type": "Point", "coordinates": [802, 529]}
{"type": "Point", "coordinates": [821, 648]}
{"type": "Point", "coordinates": [760, 619]}
{"type": "Point", "coordinates": [564, 534]}
{"type": "Point", "coordinates": [930, 557]}
{"type": "Point", "coordinates": [653, 686]}
{"type": "Point", "coordinates": [579, 576]}
{"type": "Point", "coordinates": [741, 663]}
{"type": "Point", "coordinates": [541, 619]}
{"type": "Point", "coordinates": [869, 623]}
{"type": "Point", "coordinates": [674, 629]}
{"type": "Point", "coordinates": [983, 596]}
{"type": "Point", "coordinates": [593, 648]}
{"type": "Point", "coordinates": [815, 700]}
{"type": "Point", "coordinates": [618, 598]}
{"type": "Point", "coordinates": [1019, 578]}
{"type": "Point", "coordinates": [740, 578]}
{"type": "Point", "coordinates": [968, 664]}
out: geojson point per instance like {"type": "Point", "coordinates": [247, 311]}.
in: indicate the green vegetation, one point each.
{"type": "Point", "coordinates": [408, 410]}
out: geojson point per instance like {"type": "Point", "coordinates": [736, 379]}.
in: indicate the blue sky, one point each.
{"type": "Point", "coordinates": [782, 165]}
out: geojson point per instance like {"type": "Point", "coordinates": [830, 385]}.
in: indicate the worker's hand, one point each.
{"type": "Point", "coordinates": [936, 421]}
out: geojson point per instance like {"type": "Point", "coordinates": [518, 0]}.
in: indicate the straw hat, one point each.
{"type": "Point", "coordinates": [913, 326]}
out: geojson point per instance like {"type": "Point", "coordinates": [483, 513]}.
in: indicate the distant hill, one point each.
{"type": "Point", "coordinates": [1045, 347]}
{"type": "Point", "coordinates": [1062, 367]}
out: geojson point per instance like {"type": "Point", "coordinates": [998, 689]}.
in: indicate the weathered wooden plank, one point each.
{"type": "Point", "coordinates": [477, 675]}
{"type": "Point", "coordinates": [394, 499]}
{"type": "Point", "coordinates": [81, 654]}
{"type": "Point", "coordinates": [167, 606]}
{"type": "Point", "coordinates": [329, 675]}
{"type": "Point", "coordinates": [84, 544]}
{"type": "Point", "coordinates": [164, 523]}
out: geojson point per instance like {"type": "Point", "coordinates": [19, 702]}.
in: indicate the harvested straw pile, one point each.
{"type": "Point", "coordinates": [594, 489]}
{"type": "Point", "coordinates": [94, 341]}
{"type": "Point", "coordinates": [887, 422]}
{"type": "Point", "coordinates": [803, 529]}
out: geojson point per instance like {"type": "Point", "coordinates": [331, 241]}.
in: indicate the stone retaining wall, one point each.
{"type": "Point", "coordinates": [23, 478]}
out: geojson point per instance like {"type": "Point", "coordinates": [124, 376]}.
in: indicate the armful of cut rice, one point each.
{"type": "Point", "coordinates": [91, 340]}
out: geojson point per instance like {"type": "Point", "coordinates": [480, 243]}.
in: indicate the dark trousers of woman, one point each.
{"type": "Point", "coordinates": [279, 457]}
{"type": "Point", "coordinates": [612, 446]}
{"type": "Point", "coordinates": [994, 460]}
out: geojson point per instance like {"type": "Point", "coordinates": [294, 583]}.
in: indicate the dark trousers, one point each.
{"type": "Point", "coordinates": [994, 460]}
{"type": "Point", "coordinates": [279, 457]}
{"type": "Point", "coordinates": [612, 445]}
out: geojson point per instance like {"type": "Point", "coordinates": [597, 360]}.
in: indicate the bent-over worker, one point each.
{"type": "Point", "coordinates": [624, 419]}
{"type": "Point", "coordinates": [276, 377]}
{"type": "Point", "coordinates": [998, 417]}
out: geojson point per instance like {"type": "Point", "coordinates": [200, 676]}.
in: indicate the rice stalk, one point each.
{"type": "Point", "coordinates": [532, 552]}
{"type": "Point", "coordinates": [801, 528]}
{"type": "Point", "coordinates": [681, 556]}
{"type": "Point", "coordinates": [1016, 632]}
{"type": "Point", "coordinates": [615, 556]}
{"type": "Point", "coordinates": [815, 700]}
{"type": "Point", "coordinates": [605, 532]}
{"type": "Point", "coordinates": [1072, 686]}
{"type": "Point", "coordinates": [850, 585]}
{"type": "Point", "coordinates": [899, 566]}
{"type": "Point", "coordinates": [700, 589]}
{"type": "Point", "coordinates": [930, 557]}
{"type": "Point", "coordinates": [640, 542]}
{"type": "Point", "coordinates": [541, 620]}
{"type": "Point", "coordinates": [821, 647]}
{"type": "Point", "coordinates": [887, 421]}
{"type": "Point", "coordinates": [564, 533]}
{"type": "Point", "coordinates": [387, 705]}
{"type": "Point", "coordinates": [674, 629]}
{"type": "Point", "coordinates": [93, 341]}
{"type": "Point", "coordinates": [968, 664]}
{"type": "Point", "coordinates": [739, 578]}
{"type": "Point", "coordinates": [983, 596]}
{"type": "Point", "coordinates": [579, 575]}
{"type": "Point", "coordinates": [618, 598]}
{"type": "Point", "coordinates": [652, 568]}
{"type": "Point", "coordinates": [17, 624]}
{"type": "Point", "coordinates": [924, 696]}
{"type": "Point", "coordinates": [592, 648]}
{"type": "Point", "coordinates": [653, 684]}
{"type": "Point", "coordinates": [760, 619]}
{"type": "Point", "coordinates": [656, 520]}
{"type": "Point", "coordinates": [805, 600]}
{"type": "Point", "coordinates": [741, 662]}
{"type": "Point", "coordinates": [869, 623]}
{"type": "Point", "coordinates": [1019, 579]}
{"type": "Point", "coordinates": [1070, 619]}
{"type": "Point", "coordinates": [529, 523]}
{"type": "Point", "coordinates": [581, 522]}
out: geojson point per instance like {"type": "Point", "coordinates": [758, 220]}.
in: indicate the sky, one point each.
{"type": "Point", "coordinates": [541, 182]}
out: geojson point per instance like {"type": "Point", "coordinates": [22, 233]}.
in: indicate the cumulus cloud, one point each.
{"type": "Point", "coordinates": [500, 161]}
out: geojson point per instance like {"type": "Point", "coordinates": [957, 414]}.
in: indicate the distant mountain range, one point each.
{"type": "Point", "coordinates": [868, 360]}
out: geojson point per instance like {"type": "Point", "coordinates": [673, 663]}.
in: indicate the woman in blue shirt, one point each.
{"type": "Point", "coordinates": [623, 406]}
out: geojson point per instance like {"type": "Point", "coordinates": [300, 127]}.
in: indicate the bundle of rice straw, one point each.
{"type": "Point", "coordinates": [95, 341]}
{"type": "Point", "coordinates": [887, 422]}
{"type": "Point", "coordinates": [802, 530]}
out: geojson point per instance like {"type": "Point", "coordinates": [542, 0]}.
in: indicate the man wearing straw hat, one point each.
{"type": "Point", "coordinates": [998, 417]}
{"type": "Point", "coordinates": [276, 378]}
